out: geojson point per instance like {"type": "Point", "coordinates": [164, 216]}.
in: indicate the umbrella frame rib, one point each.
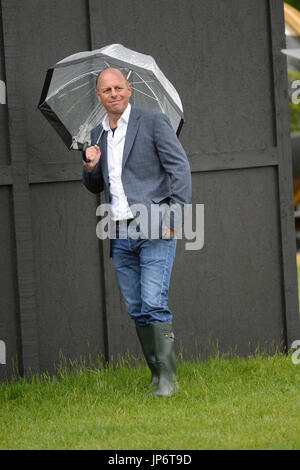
{"type": "Point", "coordinates": [121, 64]}
{"type": "Point", "coordinates": [113, 62]}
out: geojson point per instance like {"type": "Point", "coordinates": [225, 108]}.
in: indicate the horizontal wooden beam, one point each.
{"type": "Point", "coordinates": [5, 175]}
{"type": "Point", "coordinates": [54, 172]}
{"type": "Point", "coordinates": [233, 160]}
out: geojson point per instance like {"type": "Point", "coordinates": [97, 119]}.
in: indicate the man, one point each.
{"type": "Point", "coordinates": [139, 160]}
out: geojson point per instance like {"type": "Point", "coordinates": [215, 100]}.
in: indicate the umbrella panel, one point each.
{"type": "Point", "coordinates": [72, 97]}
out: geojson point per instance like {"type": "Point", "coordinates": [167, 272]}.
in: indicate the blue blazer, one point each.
{"type": "Point", "coordinates": [155, 168]}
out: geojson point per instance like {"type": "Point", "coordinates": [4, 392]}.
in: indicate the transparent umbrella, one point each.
{"type": "Point", "coordinates": [69, 99]}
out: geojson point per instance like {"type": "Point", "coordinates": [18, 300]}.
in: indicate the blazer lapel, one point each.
{"type": "Point", "coordinates": [132, 128]}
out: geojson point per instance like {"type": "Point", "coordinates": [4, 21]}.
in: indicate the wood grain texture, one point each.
{"type": "Point", "coordinates": [21, 202]}
{"type": "Point", "coordinates": [285, 175]}
{"type": "Point", "coordinates": [240, 289]}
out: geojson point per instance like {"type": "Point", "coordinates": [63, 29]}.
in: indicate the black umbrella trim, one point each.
{"type": "Point", "coordinates": [57, 124]}
{"type": "Point", "coordinates": [179, 127]}
{"type": "Point", "coordinates": [46, 86]}
{"type": "Point", "coordinates": [50, 114]}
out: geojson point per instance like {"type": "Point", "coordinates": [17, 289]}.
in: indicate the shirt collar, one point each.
{"type": "Point", "coordinates": [124, 118]}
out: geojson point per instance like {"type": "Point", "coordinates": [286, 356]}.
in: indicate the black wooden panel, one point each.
{"type": "Point", "coordinates": [216, 53]}
{"type": "Point", "coordinates": [59, 29]}
{"type": "Point", "coordinates": [285, 177]}
{"type": "Point", "coordinates": [224, 58]}
{"type": "Point", "coordinates": [51, 172]}
{"type": "Point", "coordinates": [70, 295]}
{"type": "Point", "coordinates": [21, 204]}
{"type": "Point", "coordinates": [4, 154]}
{"type": "Point", "coordinates": [9, 311]}
{"type": "Point", "coordinates": [232, 289]}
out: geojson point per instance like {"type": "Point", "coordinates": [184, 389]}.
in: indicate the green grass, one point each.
{"type": "Point", "coordinates": [294, 3]}
{"type": "Point", "coordinates": [223, 404]}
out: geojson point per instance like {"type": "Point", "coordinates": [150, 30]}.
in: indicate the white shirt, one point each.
{"type": "Point", "coordinates": [115, 146]}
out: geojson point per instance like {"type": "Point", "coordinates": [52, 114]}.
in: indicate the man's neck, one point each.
{"type": "Point", "coordinates": [113, 120]}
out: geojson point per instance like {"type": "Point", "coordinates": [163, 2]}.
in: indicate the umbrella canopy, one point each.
{"type": "Point", "coordinates": [69, 100]}
{"type": "Point", "coordinates": [295, 53]}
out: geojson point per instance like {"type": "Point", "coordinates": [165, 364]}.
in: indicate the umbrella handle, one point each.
{"type": "Point", "coordinates": [84, 147]}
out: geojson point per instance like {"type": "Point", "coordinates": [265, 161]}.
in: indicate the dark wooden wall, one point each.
{"type": "Point", "coordinates": [58, 288]}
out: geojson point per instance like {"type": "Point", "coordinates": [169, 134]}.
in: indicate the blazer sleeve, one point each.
{"type": "Point", "coordinates": [93, 180]}
{"type": "Point", "coordinates": [175, 162]}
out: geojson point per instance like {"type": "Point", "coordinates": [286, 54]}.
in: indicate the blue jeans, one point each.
{"type": "Point", "coordinates": [143, 269]}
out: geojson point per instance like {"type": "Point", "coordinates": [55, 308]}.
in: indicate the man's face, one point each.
{"type": "Point", "coordinates": [113, 91]}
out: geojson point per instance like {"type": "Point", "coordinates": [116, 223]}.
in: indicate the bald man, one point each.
{"type": "Point", "coordinates": [139, 160]}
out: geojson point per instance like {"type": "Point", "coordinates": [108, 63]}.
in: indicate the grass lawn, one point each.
{"type": "Point", "coordinates": [223, 404]}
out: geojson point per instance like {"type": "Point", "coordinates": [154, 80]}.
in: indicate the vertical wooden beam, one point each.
{"type": "Point", "coordinates": [113, 308]}
{"type": "Point", "coordinates": [285, 175]}
{"type": "Point", "coordinates": [21, 195]}
{"type": "Point", "coordinates": [103, 247]}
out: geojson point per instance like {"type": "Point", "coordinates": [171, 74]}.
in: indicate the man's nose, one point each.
{"type": "Point", "coordinates": [113, 92]}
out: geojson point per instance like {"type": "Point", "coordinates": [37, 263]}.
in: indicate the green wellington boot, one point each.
{"type": "Point", "coordinates": [164, 351]}
{"type": "Point", "coordinates": [145, 336]}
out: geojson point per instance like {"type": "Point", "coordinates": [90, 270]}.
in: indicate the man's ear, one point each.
{"type": "Point", "coordinates": [98, 96]}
